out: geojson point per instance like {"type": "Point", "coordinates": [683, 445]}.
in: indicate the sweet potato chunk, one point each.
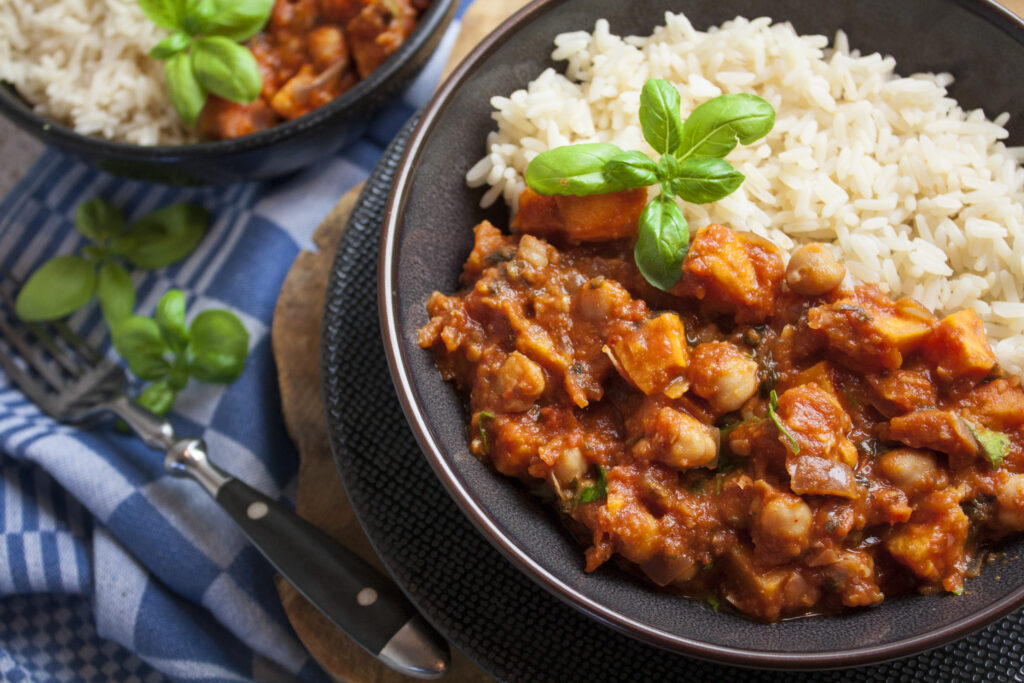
{"type": "Point", "coordinates": [902, 391]}
{"type": "Point", "coordinates": [653, 356]}
{"type": "Point", "coordinates": [932, 544]}
{"type": "Point", "coordinates": [939, 430]}
{"type": "Point", "coordinates": [870, 329]}
{"type": "Point", "coordinates": [730, 272]}
{"type": "Point", "coordinates": [959, 348]}
{"type": "Point", "coordinates": [595, 218]}
{"type": "Point", "coordinates": [817, 423]}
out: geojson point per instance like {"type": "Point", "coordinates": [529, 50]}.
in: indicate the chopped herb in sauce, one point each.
{"type": "Point", "coordinates": [484, 440]}
{"type": "Point", "coordinates": [599, 491]}
{"type": "Point", "coordinates": [993, 444]}
{"type": "Point", "coordinates": [773, 405]}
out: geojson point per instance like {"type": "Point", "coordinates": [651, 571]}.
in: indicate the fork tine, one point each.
{"type": "Point", "coordinates": [32, 390]}
{"type": "Point", "coordinates": [31, 356]}
{"type": "Point", "coordinates": [74, 342]}
{"type": "Point", "coordinates": [83, 348]}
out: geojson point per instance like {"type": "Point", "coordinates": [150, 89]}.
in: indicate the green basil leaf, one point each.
{"type": "Point", "coordinates": [57, 288]}
{"type": "Point", "coordinates": [138, 341]}
{"type": "Point", "coordinates": [170, 46]}
{"type": "Point", "coordinates": [573, 170]}
{"type": "Point", "coordinates": [218, 345]}
{"type": "Point", "coordinates": [157, 398]}
{"type": "Point", "coordinates": [662, 242]}
{"type": "Point", "coordinates": [227, 69]}
{"type": "Point", "coordinates": [659, 115]}
{"type": "Point", "coordinates": [170, 317]}
{"type": "Point", "coordinates": [91, 252]}
{"type": "Point", "coordinates": [98, 219]}
{"type": "Point", "coordinates": [700, 180]}
{"type": "Point", "coordinates": [631, 169]}
{"type": "Point", "coordinates": [187, 96]}
{"type": "Point", "coordinates": [167, 14]}
{"type": "Point", "coordinates": [713, 127]}
{"type": "Point", "coordinates": [995, 445]}
{"type": "Point", "coordinates": [116, 293]}
{"type": "Point", "coordinates": [667, 169]}
{"type": "Point", "coordinates": [163, 237]}
{"type": "Point", "coordinates": [239, 20]}
{"type": "Point", "coordinates": [198, 16]}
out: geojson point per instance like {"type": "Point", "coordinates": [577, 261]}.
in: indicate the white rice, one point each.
{"type": "Point", "coordinates": [912, 192]}
{"type": "Point", "coordinates": [84, 64]}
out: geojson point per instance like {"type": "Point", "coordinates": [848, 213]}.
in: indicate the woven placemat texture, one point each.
{"type": "Point", "coordinates": [511, 627]}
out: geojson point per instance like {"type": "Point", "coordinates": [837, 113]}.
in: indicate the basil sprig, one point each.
{"type": "Point", "coordinates": [690, 167]}
{"type": "Point", "coordinates": [163, 350]}
{"type": "Point", "coordinates": [65, 283]}
{"type": "Point", "coordinates": [203, 53]}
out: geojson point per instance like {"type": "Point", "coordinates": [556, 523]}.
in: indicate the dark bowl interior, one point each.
{"type": "Point", "coordinates": [280, 150]}
{"type": "Point", "coordinates": [427, 236]}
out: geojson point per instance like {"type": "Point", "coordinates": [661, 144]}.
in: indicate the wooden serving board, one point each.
{"type": "Point", "coordinates": [295, 338]}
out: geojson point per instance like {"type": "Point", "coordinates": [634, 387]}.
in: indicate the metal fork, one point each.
{"type": "Point", "coordinates": [72, 383]}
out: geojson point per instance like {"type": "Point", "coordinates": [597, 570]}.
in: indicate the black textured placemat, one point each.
{"type": "Point", "coordinates": [511, 627]}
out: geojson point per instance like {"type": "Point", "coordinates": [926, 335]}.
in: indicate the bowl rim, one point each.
{"type": "Point", "coordinates": [61, 135]}
{"type": "Point", "coordinates": [401, 375]}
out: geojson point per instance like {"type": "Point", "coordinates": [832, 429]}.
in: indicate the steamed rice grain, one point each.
{"type": "Point", "coordinates": [911, 191]}
{"type": "Point", "coordinates": [84, 64]}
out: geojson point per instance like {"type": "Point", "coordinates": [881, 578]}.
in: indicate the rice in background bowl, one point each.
{"type": "Point", "coordinates": [911, 191]}
{"type": "Point", "coordinates": [84, 64]}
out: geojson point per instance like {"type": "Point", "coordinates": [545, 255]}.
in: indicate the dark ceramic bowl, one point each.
{"type": "Point", "coordinates": [426, 236]}
{"type": "Point", "coordinates": [282, 149]}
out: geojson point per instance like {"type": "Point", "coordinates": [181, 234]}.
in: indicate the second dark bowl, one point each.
{"type": "Point", "coordinates": [274, 152]}
{"type": "Point", "coordinates": [427, 235]}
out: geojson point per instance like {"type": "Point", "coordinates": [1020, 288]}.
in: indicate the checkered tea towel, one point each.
{"type": "Point", "coordinates": [110, 570]}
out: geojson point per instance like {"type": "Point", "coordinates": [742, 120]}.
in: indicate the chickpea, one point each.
{"type": "Point", "coordinates": [533, 251]}
{"type": "Point", "coordinates": [519, 382]}
{"type": "Point", "coordinates": [685, 441]}
{"type": "Point", "coordinates": [813, 270]}
{"type": "Point", "coordinates": [910, 469]}
{"type": "Point", "coordinates": [601, 299]}
{"type": "Point", "coordinates": [783, 524]}
{"type": "Point", "coordinates": [723, 375]}
{"type": "Point", "coordinates": [1010, 497]}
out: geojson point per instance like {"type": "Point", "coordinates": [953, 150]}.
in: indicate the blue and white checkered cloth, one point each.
{"type": "Point", "coordinates": [110, 570]}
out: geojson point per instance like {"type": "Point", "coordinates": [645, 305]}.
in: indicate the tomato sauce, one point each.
{"type": "Point", "coordinates": [768, 436]}
{"type": "Point", "coordinates": [310, 52]}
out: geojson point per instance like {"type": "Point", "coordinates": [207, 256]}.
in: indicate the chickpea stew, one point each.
{"type": "Point", "coordinates": [309, 53]}
{"type": "Point", "coordinates": [770, 436]}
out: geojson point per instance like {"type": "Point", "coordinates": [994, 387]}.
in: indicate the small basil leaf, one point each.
{"type": "Point", "coordinates": [218, 344]}
{"type": "Point", "coordinates": [713, 127]}
{"type": "Point", "coordinates": [138, 341]}
{"type": "Point", "coordinates": [573, 170]}
{"type": "Point", "coordinates": [631, 169]}
{"type": "Point", "coordinates": [98, 219]}
{"type": "Point", "coordinates": [187, 95]}
{"type": "Point", "coordinates": [170, 46]}
{"type": "Point", "coordinates": [662, 242]}
{"type": "Point", "coordinates": [57, 288]}
{"type": "Point", "coordinates": [659, 115]}
{"type": "Point", "coordinates": [167, 14]}
{"type": "Point", "coordinates": [239, 20]}
{"type": "Point", "coordinates": [170, 317]}
{"type": "Point", "coordinates": [599, 491]}
{"type": "Point", "coordinates": [116, 293]}
{"type": "Point", "coordinates": [227, 69]}
{"type": "Point", "coordinates": [198, 17]}
{"type": "Point", "coordinates": [165, 236]}
{"type": "Point", "coordinates": [705, 179]}
{"type": "Point", "coordinates": [157, 398]}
